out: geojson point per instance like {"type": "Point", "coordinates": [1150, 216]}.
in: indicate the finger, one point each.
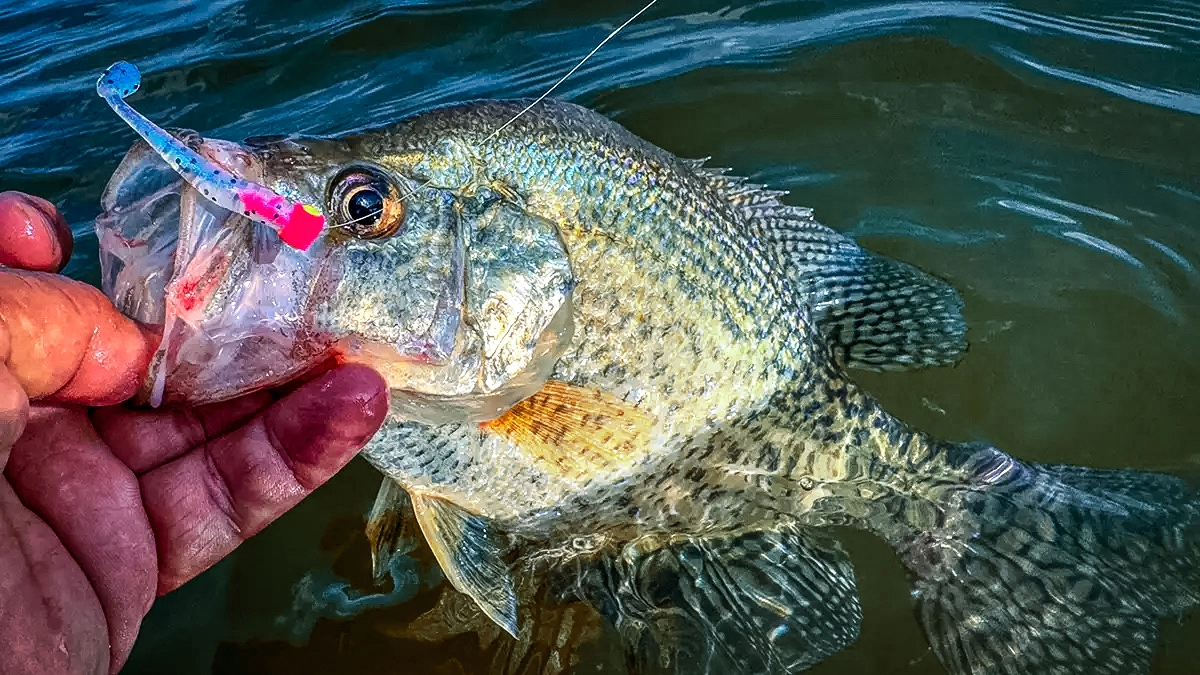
{"type": "Point", "coordinates": [33, 235]}
{"type": "Point", "coordinates": [204, 504]}
{"type": "Point", "coordinates": [62, 471]}
{"type": "Point", "coordinates": [50, 618]}
{"type": "Point", "coordinates": [144, 439]}
{"type": "Point", "coordinates": [63, 339]}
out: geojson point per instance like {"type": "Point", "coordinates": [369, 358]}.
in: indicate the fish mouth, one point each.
{"type": "Point", "coordinates": [238, 311]}
{"type": "Point", "coordinates": [226, 296]}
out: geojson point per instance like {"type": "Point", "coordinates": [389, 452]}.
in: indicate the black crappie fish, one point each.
{"type": "Point", "coordinates": [595, 346]}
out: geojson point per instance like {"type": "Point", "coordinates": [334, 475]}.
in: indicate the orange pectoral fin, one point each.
{"type": "Point", "coordinates": [578, 432]}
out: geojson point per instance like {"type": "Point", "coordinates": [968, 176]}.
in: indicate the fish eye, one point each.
{"type": "Point", "coordinates": [366, 204]}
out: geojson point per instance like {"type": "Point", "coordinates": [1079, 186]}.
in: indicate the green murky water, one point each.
{"type": "Point", "coordinates": [1041, 156]}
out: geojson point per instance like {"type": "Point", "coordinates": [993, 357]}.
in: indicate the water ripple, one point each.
{"type": "Point", "coordinates": [1176, 99]}
{"type": "Point", "coordinates": [1040, 212]}
{"type": "Point", "coordinates": [233, 68]}
{"type": "Point", "coordinates": [1175, 256]}
{"type": "Point", "coordinates": [1101, 245]}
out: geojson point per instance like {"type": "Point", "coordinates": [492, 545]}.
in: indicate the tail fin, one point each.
{"type": "Point", "coordinates": [1055, 569]}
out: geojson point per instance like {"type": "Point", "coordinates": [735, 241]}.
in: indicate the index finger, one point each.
{"type": "Point", "coordinates": [62, 339]}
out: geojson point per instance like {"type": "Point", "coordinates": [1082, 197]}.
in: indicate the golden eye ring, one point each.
{"type": "Point", "coordinates": [366, 205]}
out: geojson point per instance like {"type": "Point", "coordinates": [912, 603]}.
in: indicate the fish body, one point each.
{"type": "Point", "coordinates": [597, 347]}
{"type": "Point", "coordinates": [685, 312]}
{"type": "Point", "coordinates": [687, 316]}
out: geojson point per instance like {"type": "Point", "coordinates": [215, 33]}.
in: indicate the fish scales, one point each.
{"type": "Point", "coordinates": [671, 282]}
{"type": "Point", "coordinates": [677, 310]}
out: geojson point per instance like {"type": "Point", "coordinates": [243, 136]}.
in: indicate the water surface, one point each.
{"type": "Point", "coordinates": [1041, 156]}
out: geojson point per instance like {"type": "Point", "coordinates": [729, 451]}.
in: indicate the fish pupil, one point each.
{"type": "Point", "coordinates": [365, 206]}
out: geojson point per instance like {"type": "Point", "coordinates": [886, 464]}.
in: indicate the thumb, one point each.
{"type": "Point", "coordinates": [33, 234]}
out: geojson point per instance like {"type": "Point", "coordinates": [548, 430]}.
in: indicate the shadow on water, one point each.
{"type": "Point", "coordinates": [1040, 156]}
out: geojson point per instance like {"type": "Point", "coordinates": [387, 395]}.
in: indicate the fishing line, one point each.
{"type": "Point", "coordinates": [297, 224]}
{"type": "Point", "coordinates": [554, 86]}
{"type": "Point", "coordinates": [572, 71]}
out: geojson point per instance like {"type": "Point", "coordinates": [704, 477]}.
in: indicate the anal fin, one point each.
{"type": "Point", "coordinates": [468, 551]}
{"type": "Point", "coordinates": [756, 603]}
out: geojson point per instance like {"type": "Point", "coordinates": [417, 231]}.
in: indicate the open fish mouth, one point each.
{"type": "Point", "coordinates": [239, 310]}
{"type": "Point", "coordinates": [225, 293]}
{"type": "Point", "coordinates": [250, 283]}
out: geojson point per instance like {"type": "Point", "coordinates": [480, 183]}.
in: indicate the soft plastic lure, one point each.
{"type": "Point", "coordinates": [298, 224]}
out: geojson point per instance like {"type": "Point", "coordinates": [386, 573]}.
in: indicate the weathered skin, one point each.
{"type": "Point", "coordinates": [695, 396]}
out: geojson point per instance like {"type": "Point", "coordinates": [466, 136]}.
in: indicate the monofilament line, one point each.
{"type": "Point", "coordinates": [572, 71]}
{"type": "Point", "coordinates": [554, 86]}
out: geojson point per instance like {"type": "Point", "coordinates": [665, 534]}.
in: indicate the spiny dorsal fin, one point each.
{"type": "Point", "coordinates": [875, 313]}
{"type": "Point", "coordinates": [467, 549]}
{"type": "Point", "coordinates": [577, 432]}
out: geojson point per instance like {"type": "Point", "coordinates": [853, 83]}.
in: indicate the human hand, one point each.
{"type": "Point", "coordinates": [103, 507]}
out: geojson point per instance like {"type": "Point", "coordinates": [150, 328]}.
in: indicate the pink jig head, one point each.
{"type": "Point", "coordinates": [298, 224]}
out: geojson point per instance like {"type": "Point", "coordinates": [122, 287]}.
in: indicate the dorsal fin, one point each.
{"type": "Point", "coordinates": [875, 313]}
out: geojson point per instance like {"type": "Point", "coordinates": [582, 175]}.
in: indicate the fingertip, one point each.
{"type": "Point", "coordinates": [356, 385]}
{"type": "Point", "coordinates": [364, 388]}
{"type": "Point", "coordinates": [33, 234]}
{"type": "Point", "coordinates": [60, 229]}
{"type": "Point", "coordinates": [322, 424]}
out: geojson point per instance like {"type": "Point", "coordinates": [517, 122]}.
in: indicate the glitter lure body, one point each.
{"type": "Point", "coordinates": [298, 225]}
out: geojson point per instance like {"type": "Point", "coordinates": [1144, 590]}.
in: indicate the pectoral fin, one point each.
{"type": "Point", "coordinates": [577, 432]}
{"type": "Point", "coordinates": [466, 547]}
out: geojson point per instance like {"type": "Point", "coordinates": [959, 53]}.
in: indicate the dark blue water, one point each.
{"type": "Point", "coordinates": [1042, 156]}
